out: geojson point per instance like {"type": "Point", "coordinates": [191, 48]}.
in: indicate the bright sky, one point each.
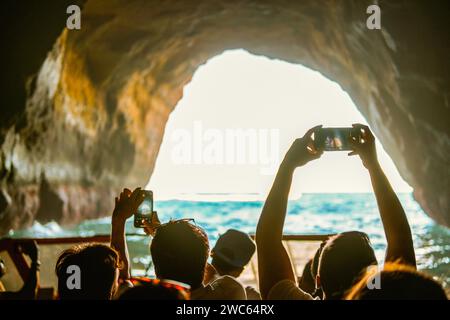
{"type": "Point", "coordinates": [275, 102]}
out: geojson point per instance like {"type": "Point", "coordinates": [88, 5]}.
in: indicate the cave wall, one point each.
{"type": "Point", "coordinates": [95, 106]}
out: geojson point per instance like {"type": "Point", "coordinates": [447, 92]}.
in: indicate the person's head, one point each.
{"type": "Point", "coordinates": [232, 252]}
{"type": "Point", "coordinates": [87, 271]}
{"type": "Point", "coordinates": [179, 252]}
{"type": "Point", "coordinates": [343, 259]}
{"type": "Point", "coordinates": [396, 282]}
{"type": "Point", "coordinates": [155, 289]}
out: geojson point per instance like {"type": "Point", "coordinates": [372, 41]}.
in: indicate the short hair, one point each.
{"type": "Point", "coordinates": [179, 252]}
{"type": "Point", "coordinates": [97, 263]}
{"type": "Point", "coordinates": [397, 282]}
{"type": "Point", "coordinates": [342, 261]}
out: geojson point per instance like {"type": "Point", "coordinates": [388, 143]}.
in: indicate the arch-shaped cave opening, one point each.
{"type": "Point", "coordinates": [238, 102]}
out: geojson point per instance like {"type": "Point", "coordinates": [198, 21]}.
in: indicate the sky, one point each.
{"type": "Point", "coordinates": [236, 120]}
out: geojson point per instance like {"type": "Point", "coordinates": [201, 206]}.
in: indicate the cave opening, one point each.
{"type": "Point", "coordinates": [238, 115]}
{"type": "Point", "coordinates": [237, 91]}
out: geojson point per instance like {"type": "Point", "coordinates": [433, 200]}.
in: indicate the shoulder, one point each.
{"type": "Point", "coordinates": [227, 281]}
{"type": "Point", "coordinates": [252, 293]}
{"type": "Point", "coordinates": [288, 290]}
{"type": "Point", "coordinates": [229, 288]}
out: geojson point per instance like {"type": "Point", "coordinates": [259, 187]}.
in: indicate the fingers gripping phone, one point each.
{"type": "Point", "coordinates": [335, 139]}
{"type": "Point", "coordinates": [145, 210]}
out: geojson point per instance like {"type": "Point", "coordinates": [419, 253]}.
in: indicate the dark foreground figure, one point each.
{"type": "Point", "coordinates": [344, 258]}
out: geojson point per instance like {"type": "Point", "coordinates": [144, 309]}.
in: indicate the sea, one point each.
{"type": "Point", "coordinates": [310, 214]}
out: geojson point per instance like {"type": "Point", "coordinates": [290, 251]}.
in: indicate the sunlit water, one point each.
{"type": "Point", "coordinates": [311, 214]}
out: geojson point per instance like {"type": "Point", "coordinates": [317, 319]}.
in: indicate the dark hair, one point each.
{"type": "Point", "coordinates": [397, 282]}
{"type": "Point", "coordinates": [97, 264]}
{"type": "Point", "coordinates": [343, 259]}
{"type": "Point", "coordinates": [179, 252]}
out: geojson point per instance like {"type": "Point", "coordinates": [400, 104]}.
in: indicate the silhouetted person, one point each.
{"type": "Point", "coordinates": [87, 272]}
{"type": "Point", "coordinates": [179, 251]}
{"type": "Point", "coordinates": [233, 251]}
{"type": "Point", "coordinates": [396, 282]}
{"type": "Point", "coordinates": [30, 287]}
{"type": "Point", "coordinates": [343, 259]}
{"type": "Point", "coordinates": [350, 253]}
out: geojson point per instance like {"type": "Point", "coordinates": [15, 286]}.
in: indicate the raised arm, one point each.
{"type": "Point", "coordinates": [125, 206]}
{"type": "Point", "coordinates": [274, 264]}
{"type": "Point", "coordinates": [398, 233]}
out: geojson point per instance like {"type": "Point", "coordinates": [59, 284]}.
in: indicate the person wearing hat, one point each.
{"type": "Point", "coordinates": [232, 252]}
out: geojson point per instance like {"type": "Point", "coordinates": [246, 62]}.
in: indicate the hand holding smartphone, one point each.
{"type": "Point", "coordinates": [335, 139]}
{"type": "Point", "coordinates": [145, 210]}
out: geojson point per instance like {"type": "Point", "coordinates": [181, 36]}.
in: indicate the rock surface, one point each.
{"type": "Point", "coordinates": [86, 109]}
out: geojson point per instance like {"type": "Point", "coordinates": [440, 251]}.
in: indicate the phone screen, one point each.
{"type": "Point", "coordinates": [333, 139]}
{"type": "Point", "coordinates": [145, 210]}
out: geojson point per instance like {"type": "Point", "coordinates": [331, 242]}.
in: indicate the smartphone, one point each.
{"type": "Point", "coordinates": [335, 139]}
{"type": "Point", "coordinates": [145, 210]}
